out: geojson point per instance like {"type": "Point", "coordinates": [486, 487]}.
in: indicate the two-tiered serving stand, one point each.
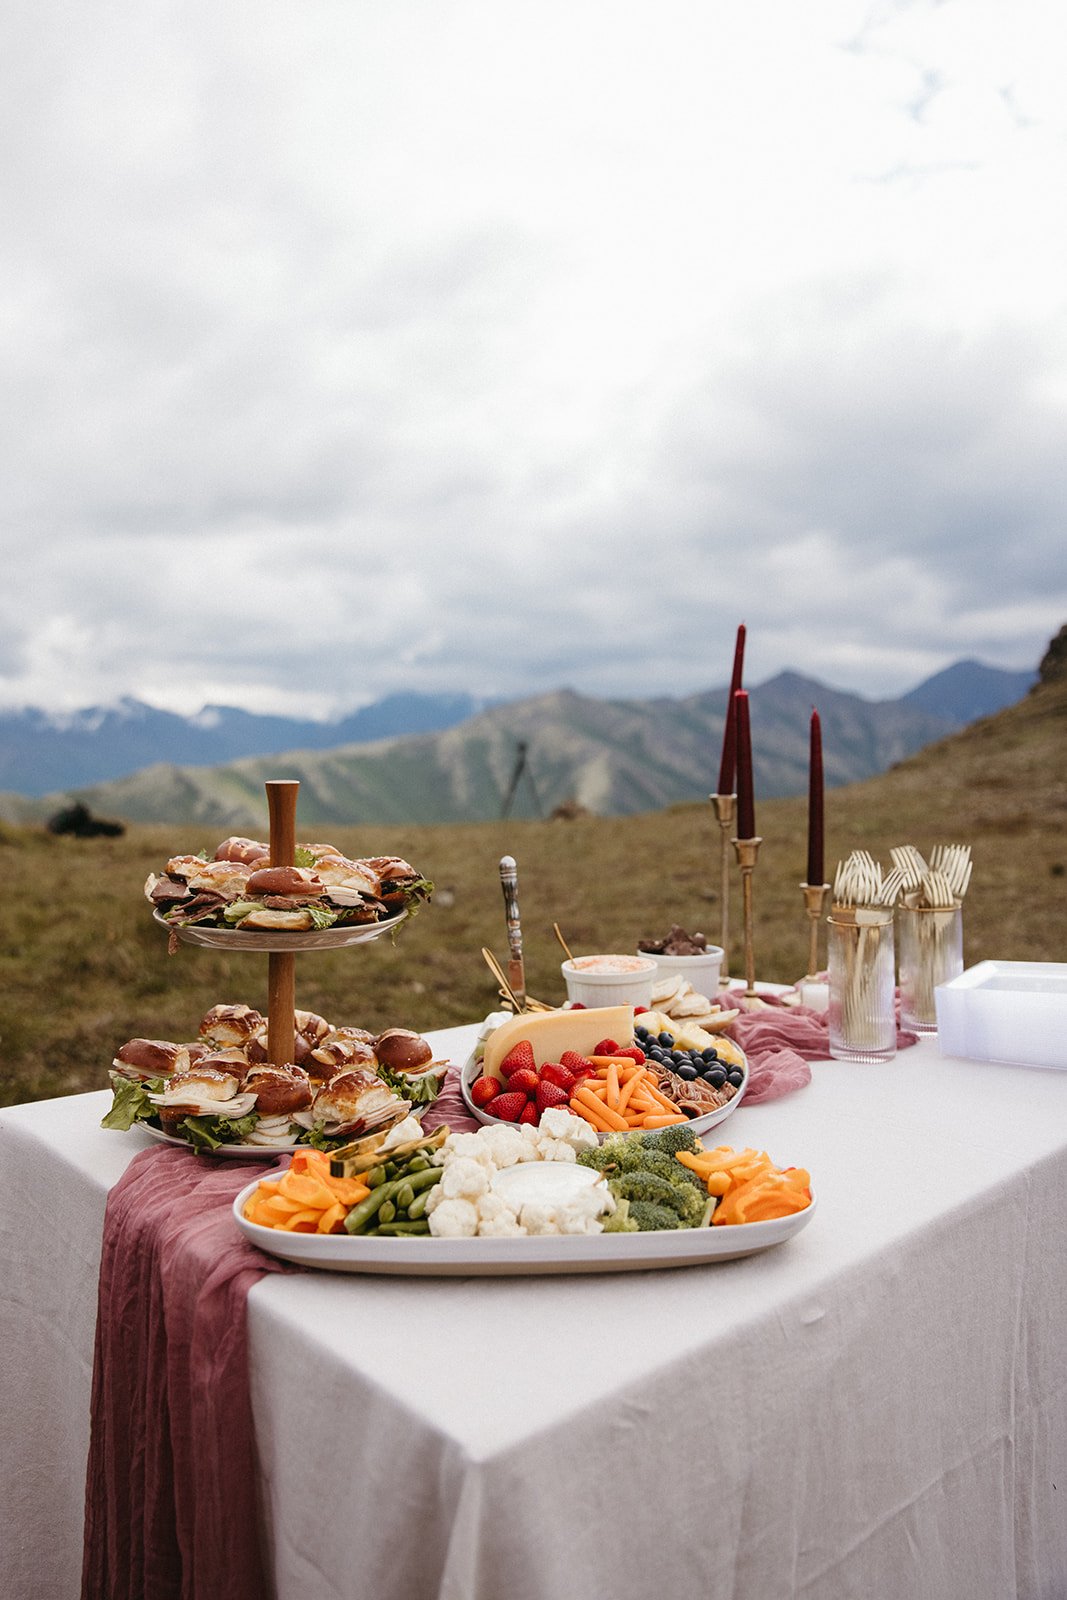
{"type": "Point", "coordinates": [281, 948]}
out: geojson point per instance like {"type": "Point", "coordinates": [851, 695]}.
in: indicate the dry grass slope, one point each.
{"type": "Point", "coordinates": [82, 967]}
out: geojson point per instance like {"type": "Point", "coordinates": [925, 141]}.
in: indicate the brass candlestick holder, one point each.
{"type": "Point", "coordinates": [747, 851]}
{"type": "Point", "coordinates": [725, 810]}
{"type": "Point", "coordinates": [814, 902]}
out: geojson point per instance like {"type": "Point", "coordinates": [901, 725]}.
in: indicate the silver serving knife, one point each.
{"type": "Point", "coordinates": [509, 882]}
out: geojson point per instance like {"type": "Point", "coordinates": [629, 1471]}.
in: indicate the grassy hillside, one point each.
{"type": "Point", "coordinates": [82, 967]}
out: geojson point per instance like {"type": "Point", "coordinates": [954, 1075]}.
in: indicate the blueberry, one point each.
{"type": "Point", "coordinates": [710, 1054]}
{"type": "Point", "coordinates": [716, 1077]}
{"type": "Point", "coordinates": [639, 1032]}
{"type": "Point", "coordinates": [688, 1073]}
{"type": "Point", "coordinates": [737, 1078]}
{"type": "Point", "coordinates": [666, 1040]}
{"type": "Point", "coordinates": [678, 1056]}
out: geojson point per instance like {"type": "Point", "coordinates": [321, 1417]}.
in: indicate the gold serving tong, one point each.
{"type": "Point", "coordinates": [507, 993]}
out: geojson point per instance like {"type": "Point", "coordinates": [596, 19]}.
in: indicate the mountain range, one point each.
{"type": "Point", "coordinates": [463, 763]}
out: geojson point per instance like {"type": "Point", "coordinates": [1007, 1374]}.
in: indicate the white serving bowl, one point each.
{"type": "Point", "coordinates": [701, 971]}
{"type": "Point", "coordinates": [609, 980]}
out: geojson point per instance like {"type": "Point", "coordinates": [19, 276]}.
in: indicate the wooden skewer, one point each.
{"type": "Point", "coordinates": [562, 940]}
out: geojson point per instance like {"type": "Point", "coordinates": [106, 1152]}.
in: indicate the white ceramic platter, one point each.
{"type": "Point", "coordinates": [472, 1069]}
{"type": "Point", "coordinates": [263, 939]}
{"type": "Point", "coordinates": [539, 1254]}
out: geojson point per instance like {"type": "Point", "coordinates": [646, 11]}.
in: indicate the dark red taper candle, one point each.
{"type": "Point", "coordinates": [728, 764]}
{"type": "Point", "coordinates": [815, 803]}
{"type": "Point", "coordinates": [746, 805]}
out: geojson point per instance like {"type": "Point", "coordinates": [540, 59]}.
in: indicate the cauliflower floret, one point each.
{"type": "Point", "coordinates": [504, 1143]}
{"type": "Point", "coordinates": [401, 1133]}
{"type": "Point", "coordinates": [454, 1219]}
{"type": "Point", "coordinates": [530, 1137]}
{"type": "Point", "coordinates": [464, 1179]}
{"type": "Point", "coordinates": [490, 1206]}
{"type": "Point", "coordinates": [496, 1219]}
{"type": "Point", "coordinates": [536, 1218]}
{"type": "Point", "coordinates": [555, 1150]}
{"type": "Point", "coordinates": [559, 1123]}
{"type": "Point", "coordinates": [465, 1146]}
{"type": "Point", "coordinates": [506, 1226]}
{"type": "Point", "coordinates": [580, 1214]}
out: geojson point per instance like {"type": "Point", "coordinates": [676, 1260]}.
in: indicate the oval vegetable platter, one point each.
{"type": "Point", "coordinates": [537, 1254]}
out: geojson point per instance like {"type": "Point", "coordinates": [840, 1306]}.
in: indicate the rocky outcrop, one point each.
{"type": "Point", "coordinates": [1053, 668]}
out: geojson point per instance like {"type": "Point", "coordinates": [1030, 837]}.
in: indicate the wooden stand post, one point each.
{"type": "Point", "coordinates": [281, 975]}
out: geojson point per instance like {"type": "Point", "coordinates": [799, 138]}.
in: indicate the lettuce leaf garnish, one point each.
{"type": "Point", "coordinates": [320, 917]}
{"type": "Point", "coordinates": [207, 1133]}
{"type": "Point", "coordinates": [131, 1103]}
{"type": "Point", "coordinates": [238, 910]}
{"type": "Point", "coordinates": [421, 1091]}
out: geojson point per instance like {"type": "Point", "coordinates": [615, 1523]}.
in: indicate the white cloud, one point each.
{"type": "Point", "coordinates": [442, 344]}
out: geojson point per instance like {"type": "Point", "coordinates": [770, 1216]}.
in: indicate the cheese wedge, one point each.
{"type": "Point", "coordinates": [552, 1032]}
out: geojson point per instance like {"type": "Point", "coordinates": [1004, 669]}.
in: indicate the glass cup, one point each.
{"type": "Point", "coordinates": [862, 1011]}
{"type": "Point", "coordinates": [930, 948]}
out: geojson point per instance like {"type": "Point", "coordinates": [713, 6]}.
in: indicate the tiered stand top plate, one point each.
{"type": "Point", "coordinates": [267, 942]}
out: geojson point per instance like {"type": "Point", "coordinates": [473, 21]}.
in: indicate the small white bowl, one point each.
{"type": "Point", "coordinates": [610, 980]}
{"type": "Point", "coordinates": [701, 971]}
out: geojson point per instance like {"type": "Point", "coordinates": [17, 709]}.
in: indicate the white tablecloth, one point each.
{"type": "Point", "coordinates": [877, 1409]}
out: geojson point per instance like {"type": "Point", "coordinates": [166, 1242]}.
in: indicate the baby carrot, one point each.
{"type": "Point", "coordinates": [589, 1110]}
{"type": "Point", "coordinates": [626, 1093]}
{"type": "Point", "coordinates": [612, 1096]}
{"type": "Point", "coordinates": [611, 1117]}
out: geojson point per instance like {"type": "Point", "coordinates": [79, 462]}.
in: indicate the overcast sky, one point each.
{"type": "Point", "coordinates": [358, 345]}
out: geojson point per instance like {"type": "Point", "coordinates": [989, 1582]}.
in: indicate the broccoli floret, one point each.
{"type": "Point", "coordinates": [620, 1220]}
{"type": "Point", "coordinates": [674, 1172]}
{"type": "Point", "coordinates": [650, 1217]}
{"type": "Point", "coordinates": [690, 1204]}
{"type": "Point", "coordinates": [601, 1159]}
{"type": "Point", "coordinates": [679, 1136]}
{"type": "Point", "coordinates": [677, 1195]}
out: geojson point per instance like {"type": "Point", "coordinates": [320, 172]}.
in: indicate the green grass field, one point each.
{"type": "Point", "coordinates": [83, 967]}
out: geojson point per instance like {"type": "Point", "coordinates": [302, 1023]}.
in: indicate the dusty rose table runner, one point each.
{"type": "Point", "coordinates": [171, 1509]}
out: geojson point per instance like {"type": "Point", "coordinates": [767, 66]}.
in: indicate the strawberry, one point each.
{"type": "Point", "coordinates": [529, 1112]}
{"type": "Point", "coordinates": [576, 1065]}
{"type": "Point", "coordinates": [576, 1005]}
{"type": "Point", "coordinates": [555, 1072]}
{"type": "Point", "coordinates": [634, 1052]}
{"type": "Point", "coordinates": [483, 1089]}
{"type": "Point", "coordinates": [607, 1047]}
{"type": "Point", "coordinates": [639, 1011]}
{"type": "Point", "coordinates": [524, 1081]}
{"type": "Point", "coordinates": [508, 1107]}
{"type": "Point", "coordinates": [520, 1055]}
{"type": "Point", "coordinates": [549, 1095]}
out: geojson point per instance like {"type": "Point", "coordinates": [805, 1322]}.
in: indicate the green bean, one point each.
{"type": "Point", "coordinates": [418, 1205]}
{"type": "Point", "coordinates": [399, 1230]}
{"type": "Point", "coordinates": [418, 1164]}
{"type": "Point", "coordinates": [404, 1195]}
{"type": "Point", "coordinates": [375, 1176]}
{"type": "Point", "coordinates": [361, 1214]}
{"type": "Point", "coordinates": [367, 1209]}
{"type": "Point", "coordinates": [425, 1180]}
{"type": "Point", "coordinates": [387, 1211]}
